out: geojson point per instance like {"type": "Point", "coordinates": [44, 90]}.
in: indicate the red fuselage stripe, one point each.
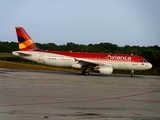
{"type": "Point", "coordinates": [99, 56]}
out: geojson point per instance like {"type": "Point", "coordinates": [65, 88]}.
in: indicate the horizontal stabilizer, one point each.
{"type": "Point", "coordinates": [20, 54]}
{"type": "Point", "coordinates": [24, 54]}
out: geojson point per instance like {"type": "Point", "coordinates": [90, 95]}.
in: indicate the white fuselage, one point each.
{"type": "Point", "coordinates": [67, 61]}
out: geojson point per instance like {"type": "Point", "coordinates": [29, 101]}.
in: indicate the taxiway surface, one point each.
{"type": "Point", "coordinates": [38, 95]}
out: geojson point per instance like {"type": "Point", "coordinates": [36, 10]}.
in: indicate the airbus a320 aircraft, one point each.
{"type": "Point", "coordinates": [101, 62]}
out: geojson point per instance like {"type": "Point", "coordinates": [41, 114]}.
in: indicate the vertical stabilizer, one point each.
{"type": "Point", "coordinates": [24, 40]}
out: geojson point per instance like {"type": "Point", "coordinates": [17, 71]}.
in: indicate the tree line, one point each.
{"type": "Point", "coordinates": [151, 53]}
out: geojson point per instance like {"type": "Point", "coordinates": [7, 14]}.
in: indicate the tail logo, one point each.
{"type": "Point", "coordinates": [25, 44]}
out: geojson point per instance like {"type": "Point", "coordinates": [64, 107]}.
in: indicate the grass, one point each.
{"type": "Point", "coordinates": [16, 65]}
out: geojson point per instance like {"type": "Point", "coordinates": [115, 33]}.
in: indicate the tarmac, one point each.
{"type": "Point", "coordinates": [39, 95]}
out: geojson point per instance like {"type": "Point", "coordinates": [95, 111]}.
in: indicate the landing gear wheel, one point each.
{"type": "Point", "coordinates": [84, 72]}
{"type": "Point", "coordinates": [132, 73]}
{"type": "Point", "coordinates": [87, 73]}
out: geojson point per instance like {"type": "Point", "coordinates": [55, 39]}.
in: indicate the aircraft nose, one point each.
{"type": "Point", "coordinates": [149, 65]}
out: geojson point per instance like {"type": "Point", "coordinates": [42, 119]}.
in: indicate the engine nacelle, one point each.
{"type": "Point", "coordinates": [77, 65]}
{"type": "Point", "coordinates": [106, 69]}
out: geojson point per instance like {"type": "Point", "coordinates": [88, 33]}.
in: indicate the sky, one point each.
{"type": "Point", "coordinates": [121, 22]}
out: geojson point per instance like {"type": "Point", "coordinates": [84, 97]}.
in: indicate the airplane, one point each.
{"type": "Point", "coordinates": [103, 63]}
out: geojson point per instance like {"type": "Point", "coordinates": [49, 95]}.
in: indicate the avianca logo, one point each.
{"type": "Point", "coordinates": [116, 57]}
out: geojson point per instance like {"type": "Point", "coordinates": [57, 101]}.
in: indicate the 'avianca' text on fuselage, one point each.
{"type": "Point", "coordinates": [117, 57]}
{"type": "Point", "coordinates": [100, 62]}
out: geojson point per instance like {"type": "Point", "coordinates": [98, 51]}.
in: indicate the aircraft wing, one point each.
{"type": "Point", "coordinates": [85, 63]}
{"type": "Point", "coordinates": [92, 64]}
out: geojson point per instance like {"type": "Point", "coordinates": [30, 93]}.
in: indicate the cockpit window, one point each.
{"type": "Point", "coordinates": [144, 60]}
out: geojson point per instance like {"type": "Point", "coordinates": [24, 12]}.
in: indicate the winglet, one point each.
{"type": "Point", "coordinates": [24, 40]}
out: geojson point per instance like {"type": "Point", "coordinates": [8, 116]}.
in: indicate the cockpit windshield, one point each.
{"type": "Point", "coordinates": [144, 60]}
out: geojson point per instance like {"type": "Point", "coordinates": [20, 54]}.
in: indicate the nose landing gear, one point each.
{"type": "Point", "coordinates": [132, 73]}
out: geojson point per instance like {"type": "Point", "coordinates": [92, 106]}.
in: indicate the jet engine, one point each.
{"type": "Point", "coordinates": [106, 69]}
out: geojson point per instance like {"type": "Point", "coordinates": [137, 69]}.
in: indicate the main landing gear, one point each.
{"type": "Point", "coordinates": [132, 73]}
{"type": "Point", "coordinates": [85, 71]}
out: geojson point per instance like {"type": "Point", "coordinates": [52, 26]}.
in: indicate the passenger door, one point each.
{"type": "Point", "coordinates": [41, 58]}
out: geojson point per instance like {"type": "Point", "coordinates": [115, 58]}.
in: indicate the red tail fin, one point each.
{"type": "Point", "coordinates": [24, 40]}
